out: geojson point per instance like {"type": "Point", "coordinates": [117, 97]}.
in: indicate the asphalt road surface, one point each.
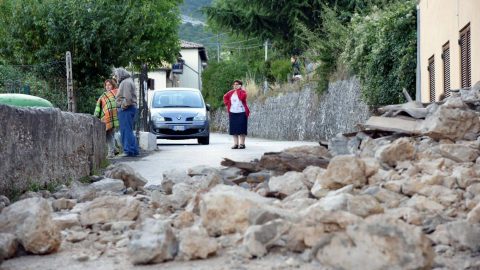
{"type": "Point", "coordinates": [184, 154]}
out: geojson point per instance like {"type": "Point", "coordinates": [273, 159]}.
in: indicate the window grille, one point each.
{"type": "Point", "coordinates": [446, 70]}
{"type": "Point", "coordinates": [431, 75]}
{"type": "Point", "coordinates": [465, 57]}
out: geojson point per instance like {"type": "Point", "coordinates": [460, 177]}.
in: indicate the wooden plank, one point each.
{"type": "Point", "coordinates": [394, 124]}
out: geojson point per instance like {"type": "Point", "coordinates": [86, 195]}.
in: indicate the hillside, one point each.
{"type": "Point", "coordinates": [193, 27]}
{"type": "Point", "coordinates": [192, 8]}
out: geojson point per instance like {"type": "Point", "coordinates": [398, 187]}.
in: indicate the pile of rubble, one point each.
{"type": "Point", "coordinates": [398, 195]}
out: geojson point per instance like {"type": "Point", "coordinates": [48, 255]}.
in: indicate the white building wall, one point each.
{"type": "Point", "coordinates": [191, 69]}
{"type": "Point", "coordinates": [160, 78]}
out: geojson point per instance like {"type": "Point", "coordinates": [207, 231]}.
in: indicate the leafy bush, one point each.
{"type": "Point", "coordinates": [280, 70]}
{"type": "Point", "coordinates": [103, 33]}
{"type": "Point", "coordinates": [381, 50]}
{"type": "Point", "coordinates": [26, 80]}
{"type": "Point", "coordinates": [217, 80]}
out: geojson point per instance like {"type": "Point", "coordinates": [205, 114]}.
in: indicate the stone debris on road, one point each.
{"type": "Point", "coordinates": [386, 197]}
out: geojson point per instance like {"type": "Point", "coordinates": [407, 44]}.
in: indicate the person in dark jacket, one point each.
{"type": "Point", "coordinates": [127, 108]}
{"type": "Point", "coordinates": [236, 102]}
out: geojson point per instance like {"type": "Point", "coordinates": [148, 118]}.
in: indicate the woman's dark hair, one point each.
{"type": "Point", "coordinates": [112, 82]}
{"type": "Point", "coordinates": [238, 81]}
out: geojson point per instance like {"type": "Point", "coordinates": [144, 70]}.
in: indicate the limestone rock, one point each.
{"type": "Point", "coordinates": [110, 208]}
{"type": "Point", "coordinates": [4, 202]}
{"type": "Point", "coordinates": [8, 246]}
{"type": "Point", "coordinates": [311, 174]}
{"type": "Point", "coordinates": [458, 152]}
{"type": "Point", "coordinates": [334, 202]}
{"type": "Point", "coordinates": [80, 192]}
{"type": "Point", "coordinates": [460, 234]}
{"type": "Point", "coordinates": [225, 209]}
{"type": "Point", "coordinates": [453, 120]}
{"type": "Point", "coordinates": [30, 220]}
{"type": "Point", "coordinates": [363, 205]}
{"type": "Point", "coordinates": [259, 238]}
{"type": "Point", "coordinates": [377, 244]}
{"type": "Point", "coordinates": [411, 187]}
{"type": "Point", "coordinates": [318, 190]}
{"type": "Point", "coordinates": [260, 216]}
{"type": "Point", "coordinates": [196, 244]}
{"type": "Point", "coordinates": [202, 170]}
{"type": "Point", "coordinates": [63, 204]}
{"type": "Point", "coordinates": [465, 175]}
{"type": "Point", "coordinates": [315, 224]}
{"type": "Point", "coordinates": [344, 170]}
{"type": "Point", "coordinates": [184, 220]}
{"type": "Point", "coordinates": [126, 173]}
{"type": "Point", "coordinates": [440, 194]}
{"type": "Point", "coordinates": [181, 194]}
{"type": "Point", "coordinates": [173, 177]}
{"type": "Point", "coordinates": [66, 221]}
{"type": "Point", "coordinates": [407, 214]}
{"type": "Point", "coordinates": [386, 197]}
{"type": "Point", "coordinates": [258, 177]}
{"type": "Point", "coordinates": [422, 203]}
{"type": "Point", "coordinates": [288, 183]}
{"type": "Point", "coordinates": [474, 215]}
{"type": "Point", "coordinates": [107, 184]}
{"type": "Point", "coordinates": [154, 243]}
{"type": "Point", "coordinates": [399, 150]}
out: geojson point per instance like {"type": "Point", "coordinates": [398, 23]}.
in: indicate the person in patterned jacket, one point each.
{"type": "Point", "coordinates": [106, 110]}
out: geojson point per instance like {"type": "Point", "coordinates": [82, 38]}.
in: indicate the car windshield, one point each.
{"type": "Point", "coordinates": [177, 99]}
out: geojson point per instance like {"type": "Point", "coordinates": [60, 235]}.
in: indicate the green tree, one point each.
{"type": "Point", "coordinates": [277, 20]}
{"type": "Point", "coordinates": [99, 33]}
{"type": "Point", "coordinates": [217, 80]}
{"type": "Point", "coordinates": [266, 19]}
{"type": "Point", "coordinates": [381, 50]}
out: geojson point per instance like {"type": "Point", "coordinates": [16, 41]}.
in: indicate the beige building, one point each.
{"type": "Point", "coordinates": [448, 47]}
{"type": "Point", "coordinates": [193, 58]}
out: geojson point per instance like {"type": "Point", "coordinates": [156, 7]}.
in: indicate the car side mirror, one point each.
{"type": "Point", "coordinates": [208, 107]}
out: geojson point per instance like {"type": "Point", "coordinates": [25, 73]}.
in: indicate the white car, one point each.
{"type": "Point", "coordinates": [179, 113]}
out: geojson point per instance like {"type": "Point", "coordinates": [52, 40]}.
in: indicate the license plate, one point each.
{"type": "Point", "coordinates": [179, 128]}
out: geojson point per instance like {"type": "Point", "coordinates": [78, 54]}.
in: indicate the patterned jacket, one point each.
{"type": "Point", "coordinates": [106, 109]}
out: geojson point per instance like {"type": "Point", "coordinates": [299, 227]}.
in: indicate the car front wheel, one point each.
{"type": "Point", "coordinates": [204, 140]}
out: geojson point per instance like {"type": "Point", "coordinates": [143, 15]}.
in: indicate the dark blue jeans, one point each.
{"type": "Point", "coordinates": [126, 117]}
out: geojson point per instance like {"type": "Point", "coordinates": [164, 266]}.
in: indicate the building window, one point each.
{"type": "Point", "coordinates": [465, 57]}
{"type": "Point", "coordinates": [431, 75]}
{"type": "Point", "coordinates": [446, 69]}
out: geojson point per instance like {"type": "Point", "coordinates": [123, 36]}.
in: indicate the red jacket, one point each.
{"type": "Point", "coordinates": [242, 95]}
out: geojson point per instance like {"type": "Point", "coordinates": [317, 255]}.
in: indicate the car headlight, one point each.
{"type": "Point", "coordinates": [158, 118]}
{"type": "Point", "coordinates": [200, 117]}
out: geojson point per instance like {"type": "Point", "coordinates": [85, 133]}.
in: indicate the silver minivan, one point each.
{"type": "Point", "coordinates": [179, 113]}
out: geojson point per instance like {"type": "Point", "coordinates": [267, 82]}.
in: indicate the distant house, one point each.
{"type": "Point", "coordinates": [448, 47]}
{"type": "Point", "coordinates": [187, 72]}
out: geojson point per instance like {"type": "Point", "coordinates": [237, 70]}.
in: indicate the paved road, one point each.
{"type": "Point", "coordinates": [184, 154]}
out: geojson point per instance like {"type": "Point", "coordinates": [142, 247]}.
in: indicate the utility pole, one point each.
{"type": "Point", "coordinates": [72, 107]}
{"type": "Point", "coordinates": [218, 49]}
{"type": "Point", "coordinates": [143, 97]}
{"type": "Point", "coordinates": [265, 83]}
{"type": "Point", "coordinates": [266, 50]}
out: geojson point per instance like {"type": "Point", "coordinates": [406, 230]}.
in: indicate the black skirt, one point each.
{"type": "Point", "coordinates": [238, 123]}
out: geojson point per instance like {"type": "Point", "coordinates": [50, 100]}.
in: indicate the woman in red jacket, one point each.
{"type": "Point", "coordinates": [238, 112]}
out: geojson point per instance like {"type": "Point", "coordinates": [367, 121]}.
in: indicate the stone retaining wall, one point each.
{"type": "Point", "coordinates": [43, 145]}
{"type": "Point", "coordinates": [304, 115]}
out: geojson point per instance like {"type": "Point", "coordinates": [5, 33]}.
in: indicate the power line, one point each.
{"type": "Point", "coordinates": [244, 47]}
{"type": "Point", "coordinates": [234, 42]}
{"type": "Point", "coordinates": [213, 36]}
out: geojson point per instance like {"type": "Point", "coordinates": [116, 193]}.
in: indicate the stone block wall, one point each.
{"type": "Point", "coordinates": [43, 145]}
{"type": "Point", "coordinates": [304, 115]}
